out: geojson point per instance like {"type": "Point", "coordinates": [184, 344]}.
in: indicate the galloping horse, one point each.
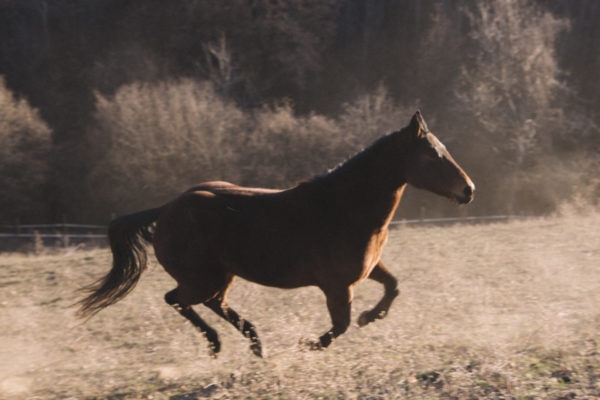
{"type": "Point", "coordinates": [328, 232]}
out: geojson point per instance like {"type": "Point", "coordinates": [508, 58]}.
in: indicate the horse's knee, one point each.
{"type": "Point", "coordinates": [394, 292]}
{"type": "Point", "coordinates": [391, 285]}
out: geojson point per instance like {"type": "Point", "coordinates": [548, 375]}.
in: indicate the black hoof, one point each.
{"type": "Point", "coordinates": [256, 349]}
{"type": "Point", "coordinates": [315, 346]}
{"type": "Point", "coordinates": [214, 344]}
{"type": "Point", "coordinates": [369, 316]}
{"type": "Point", "coordinates": [365, 318]}
{"type": "Point", "coordinates": [312, 345]}
{"type": "Point", "coordinates": [214, 349]}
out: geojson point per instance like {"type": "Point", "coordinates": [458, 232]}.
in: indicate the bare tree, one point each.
{"type": "Point", "coordinates": [512, 83]}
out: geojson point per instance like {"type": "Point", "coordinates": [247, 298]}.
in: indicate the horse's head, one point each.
{"type": "Point", "coordinates": [429, 165]}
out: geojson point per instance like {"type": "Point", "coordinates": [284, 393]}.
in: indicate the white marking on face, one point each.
{"type": "Point", "coordinates": [438, 146]}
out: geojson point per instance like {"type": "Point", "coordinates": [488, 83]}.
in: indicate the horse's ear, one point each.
{"type": "Point", "coordinates": [418, 125]}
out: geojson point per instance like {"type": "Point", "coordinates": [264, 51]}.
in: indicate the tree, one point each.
{"type": "Point", "coordinates": [512, 85]}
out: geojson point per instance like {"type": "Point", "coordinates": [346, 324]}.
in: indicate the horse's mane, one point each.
{"type": "Point", "coordinates": [356, 159]}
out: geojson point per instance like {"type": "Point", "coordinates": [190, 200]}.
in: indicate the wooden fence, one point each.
{"type": "Point", "coordinates": [31, 236]}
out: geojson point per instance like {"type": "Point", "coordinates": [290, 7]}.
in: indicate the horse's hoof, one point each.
{"type": "Point", "coordinates": [364, 319]}
{"type": "Point", "coordinates": [312, 345]}
{"type": "Point", "coordinates": [214, 348]}
{"type": "Point", "coordinates": [213, 353]}
{"type": "Point", "coordinates": [256, 349]}
{"type": "Point", "coordinates": [315, 346]}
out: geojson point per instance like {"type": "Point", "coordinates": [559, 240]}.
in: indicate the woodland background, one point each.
{"type": "Point", "coordinates": [109, 106]}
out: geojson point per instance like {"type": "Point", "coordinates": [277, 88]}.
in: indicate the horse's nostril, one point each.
{"type": "Point", "coordinates": [468, 191]}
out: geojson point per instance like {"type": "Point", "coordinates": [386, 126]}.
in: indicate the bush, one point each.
{"type": "Point", "coordinates": [25, 142]}
{"type": "Point", "coordinates": [153, 141]}
{"type": "Point", "coordinates": [157, 139]}
{"type": "Point", "coordinates": [284, 148]}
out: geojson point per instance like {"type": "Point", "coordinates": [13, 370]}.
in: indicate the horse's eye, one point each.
{"type": "Point", "coordinates": [427, 157]}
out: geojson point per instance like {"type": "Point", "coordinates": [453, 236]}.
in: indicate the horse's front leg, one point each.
{"type": "Point", "coordinates": [339, 302]}
{"type": "Point", "coordinates": [383, 276]}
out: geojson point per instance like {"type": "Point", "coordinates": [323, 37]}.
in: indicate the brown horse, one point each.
{"type": "Point", "coordinates": [328, 232]}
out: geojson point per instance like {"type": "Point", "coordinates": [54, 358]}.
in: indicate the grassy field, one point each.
{"type": "Point", "coordinates": [503, 310]}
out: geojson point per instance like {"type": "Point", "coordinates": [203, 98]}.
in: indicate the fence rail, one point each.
{"type": "Point", "coordinates": [53, 235]}
{"type": "Point", "coordinates": [55, 226]}
{"type": "Point", "coordinates": [65, 231]}
{"type": "Point", "coordinates": [26, 237]}
{"type": "Point", "coordinates": [458, 219]}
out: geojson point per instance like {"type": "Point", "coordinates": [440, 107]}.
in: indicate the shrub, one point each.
{"type": "Point", "coordinates": [153, 141]}
{"type": "Point", "coordinates": [158, 139]}
{"type": "Point", "coordinates": [25, 142]}
{"type": "Point", "coordinates": [285, 148]}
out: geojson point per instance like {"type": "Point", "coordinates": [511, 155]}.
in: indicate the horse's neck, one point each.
{"type": "Point", "coordinates": [367, 187]}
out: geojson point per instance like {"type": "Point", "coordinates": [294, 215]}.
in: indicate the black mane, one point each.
{"type": "Point", "coordinates": [356, 160]}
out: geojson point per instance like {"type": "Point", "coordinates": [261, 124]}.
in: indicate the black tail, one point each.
{"type": "Point", "coordinates": [127, 236]}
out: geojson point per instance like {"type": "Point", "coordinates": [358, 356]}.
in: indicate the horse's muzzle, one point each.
{"type": "Point", "coordinates": [467, 194]}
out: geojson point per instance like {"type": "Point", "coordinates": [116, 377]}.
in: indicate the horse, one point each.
{"type": "Point", "coordinates": [328, 232]}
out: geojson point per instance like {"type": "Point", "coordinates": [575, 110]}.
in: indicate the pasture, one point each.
{"type": "Point", "coordinates": [501, 310]}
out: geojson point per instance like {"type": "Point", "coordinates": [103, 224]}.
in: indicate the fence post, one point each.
{"type": "Point", "coordinates": [65, 237]}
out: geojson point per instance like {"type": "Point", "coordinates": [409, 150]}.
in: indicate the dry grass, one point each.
{"type": "Point", "coordinates": [507, 310]}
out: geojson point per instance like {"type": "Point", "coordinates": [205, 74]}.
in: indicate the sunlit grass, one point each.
{"type": "Point", "coordinates": [507, 309]}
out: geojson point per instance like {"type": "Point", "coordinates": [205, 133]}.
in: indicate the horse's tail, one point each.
{"type": "Point", "coordinates": [127, 236]}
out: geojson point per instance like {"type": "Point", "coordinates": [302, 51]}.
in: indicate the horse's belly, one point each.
{"type": "Point", "coordinates": [271, 272]}
{"type": "Point", "coordinates": [284, 253]}
{"type": "Point", "coordinates": [280, 260]}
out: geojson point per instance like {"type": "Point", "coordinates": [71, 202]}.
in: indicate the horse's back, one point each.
{"type": "Point", "coordinates": [259, 234]}
{"type": "Point", "coordinates": [226, 188]}
{"type": "Point", "coordinates": [281, 238]}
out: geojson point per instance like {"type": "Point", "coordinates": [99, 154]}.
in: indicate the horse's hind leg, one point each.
{"type": "Point", "coordinates": [211, 335]}
{"type": "Point", "coordinates": [219, 305]}
{"type": "Point", "coordinates": [381, 275]}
